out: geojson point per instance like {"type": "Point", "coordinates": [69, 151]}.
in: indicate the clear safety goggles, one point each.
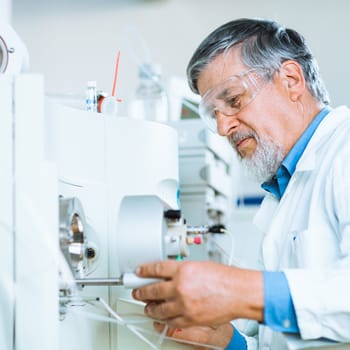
{"type": "Point", "coordinates": [229, 97]}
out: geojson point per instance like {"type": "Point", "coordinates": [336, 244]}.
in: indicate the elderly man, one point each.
{"type": "Point", "coordinates": [261, 89]}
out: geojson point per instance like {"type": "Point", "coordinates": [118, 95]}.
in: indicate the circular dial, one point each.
{"type": "Point", "coordinates": [3, 55]}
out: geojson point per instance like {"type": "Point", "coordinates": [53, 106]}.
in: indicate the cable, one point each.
{"type": "Point", "coordinates": [163, 334]}
{"type": "Point", "coordinates": [230, 256]}
{"type": "Point", "coordinates": [133, 329]}
{"type": "Point", "coordinates": [76, 302]}
{"type": "Point", "coordinates": [94, 316]}
{"type": "Point", "coordinates": [177, 340]}
{"type": "Point", "coordinates": [136, 330]}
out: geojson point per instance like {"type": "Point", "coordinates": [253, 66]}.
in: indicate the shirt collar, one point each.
{"type": "Point", "coordinates": [279, 182]}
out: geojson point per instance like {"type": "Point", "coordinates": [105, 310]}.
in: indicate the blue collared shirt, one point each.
{"type": "Point", "coordinates": [279, 311]}
{"type": "Point", "coordinates": [279, 183]}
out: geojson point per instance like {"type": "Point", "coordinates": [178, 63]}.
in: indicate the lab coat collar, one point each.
{"type": "Point", "coordinates": [307, 162]}
{"type": "Point", "coordinates": [325, 129]}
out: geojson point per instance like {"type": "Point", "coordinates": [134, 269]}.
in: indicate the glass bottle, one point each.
{"type": "Point", "coordinates": [150, 100]}
{"type": "Point", "coordinates": [91, 97]}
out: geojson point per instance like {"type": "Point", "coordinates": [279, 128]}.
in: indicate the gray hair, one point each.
{"type": "Point", "coordinates": [265, 45]}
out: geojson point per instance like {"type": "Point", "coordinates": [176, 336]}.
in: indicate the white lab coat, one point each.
{"type": "Point", "coordinates": [310, 229]}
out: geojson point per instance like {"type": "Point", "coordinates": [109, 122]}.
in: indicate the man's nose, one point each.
{"type": "Point", "coordinates": [226, 124]}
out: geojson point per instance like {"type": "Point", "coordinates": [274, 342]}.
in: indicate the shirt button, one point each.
{"type": "Point", "coordinates": [286, 324]}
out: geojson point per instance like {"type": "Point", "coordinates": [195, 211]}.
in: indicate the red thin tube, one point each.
{"type": "Point", "coordinates": [116, 73]}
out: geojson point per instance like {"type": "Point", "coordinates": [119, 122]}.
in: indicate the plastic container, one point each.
{"type": "Point", "coordinates": [150, 101]}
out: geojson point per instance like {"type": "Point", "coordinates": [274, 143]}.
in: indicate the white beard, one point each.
{"type": "Point", "coordinates": [265, 161]}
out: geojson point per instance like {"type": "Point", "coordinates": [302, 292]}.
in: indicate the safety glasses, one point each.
{"type": "Point", "coordinates": [230, 96]}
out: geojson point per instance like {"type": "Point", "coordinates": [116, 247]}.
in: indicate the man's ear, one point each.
{"type": "Point", "coordinates": [292, 74]}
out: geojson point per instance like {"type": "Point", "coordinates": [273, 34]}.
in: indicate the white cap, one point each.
{"type": "Point", "coordinates": [109, 105]}
{"type": "Point", "coordinates": [91, 83]}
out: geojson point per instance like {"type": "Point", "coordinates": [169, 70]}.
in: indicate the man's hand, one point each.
{"type": "Point", "coordinates": [200, 293]}
{"type": "Point", "coordinates": [215, 336]}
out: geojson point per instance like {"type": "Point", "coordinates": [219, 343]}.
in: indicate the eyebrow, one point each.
{"type": "Point", "coordinates": [229, 92]}
{"type": "Point", "coordinates": [223, 94]}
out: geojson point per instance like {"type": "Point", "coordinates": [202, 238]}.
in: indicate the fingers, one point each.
{"type": "Point", "coordinates": [177, 325]}
{"type": "Point", "coordinates": [162, 269]}
{"type": "Point", "coordinates": [168, 312]}
{"type": "Point", "coordinates": [165, 310]}
{"type": "Point", "coordinates": [156, 291]}
{"type": "Point", "coordinates": [205, 337]}
{"type": "Point", "coordinates": [159, 327]}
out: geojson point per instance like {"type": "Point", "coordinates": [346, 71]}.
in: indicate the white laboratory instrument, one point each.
{"type": "Point", "coordinates": [100, 160]}
{"type": "Point", "coordinates": [205, 165]}
{"type": "Point", "coordinates": [28, 220]}
{"type": "Point", "coordinates": [14, 57]}
{"type": "Point", "coordinates": [102, 189]}
{"type": "Point", "coordinates": [118, 186]}
{"type": "Point", "coordinates": [109, 171]}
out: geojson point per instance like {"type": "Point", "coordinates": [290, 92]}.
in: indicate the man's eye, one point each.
{"type": "Point", "coordinates": [233, 102]}
{"type": "Point", "coordinates": [214, 113]}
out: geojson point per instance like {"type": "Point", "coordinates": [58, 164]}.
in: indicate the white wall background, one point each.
{"type": "Point", "coordinates": [71, 42]}
{"type": "Point", "coordinates": [5, 11]}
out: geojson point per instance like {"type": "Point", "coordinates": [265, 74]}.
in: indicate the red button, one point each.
{"type": "Point", "coordinates": [197, 240]}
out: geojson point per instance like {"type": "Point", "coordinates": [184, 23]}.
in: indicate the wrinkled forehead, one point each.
{"type": "Point", "coordinates": [227, 89]}
{"type": "Point", "coordinates": [222, 67]}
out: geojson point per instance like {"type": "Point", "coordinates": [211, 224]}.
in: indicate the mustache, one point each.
{"type": "Point", "coordinates": [236, 138]}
